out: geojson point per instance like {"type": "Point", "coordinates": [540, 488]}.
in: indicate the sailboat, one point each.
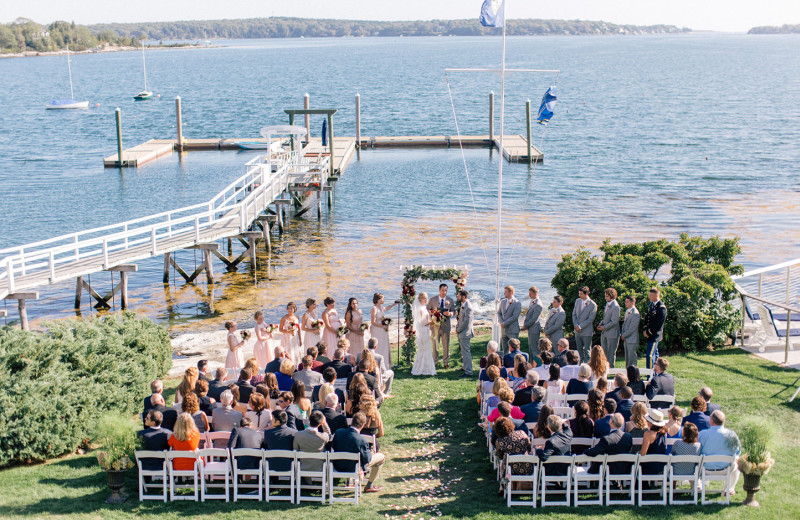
{"type": "Point", "coordinates": [145, 94]}
{"type": "Point", "coordinates": [60, 104]}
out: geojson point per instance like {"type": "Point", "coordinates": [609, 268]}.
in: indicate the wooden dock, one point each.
{"type": "Point", "coordinates": [343, 150]}
{"type": "Point", "coordinates": [141, 154]}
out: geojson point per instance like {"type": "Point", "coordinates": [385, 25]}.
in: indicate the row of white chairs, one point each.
{"type": "Point", "coordinates": [561, 401]}
{"type": "Point", "coordinates": [216, 472]}
{"type": "Point", "coordinates": [606, 488]}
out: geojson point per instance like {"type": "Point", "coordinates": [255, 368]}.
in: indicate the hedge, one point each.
{"type": "Point", "coordinates": [59, 382]}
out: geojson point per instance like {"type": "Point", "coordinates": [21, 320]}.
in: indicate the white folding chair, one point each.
{"type": "Point", "coordinates": [646, 373]}
{"type": "Point", "coordinates": [152, 474]}
{"type": "Point", "coordinates": [564, 481]}
{"type": "Point", "coordinates": [627, 478]}
{"type": "Point", "coordinates": [370, 439]}
{"type": "Point", "coordinates": [565, 412]}
{"type": "Point", "coordinates": [247, 489]}
{"type": "Point", "coordinates": [660, 478]}
{"type": "Point", "coordinates": [584, 482]}
{"type": "Point", "coordinates": [583, 442]}
{"type": "Point", "coordinates": [573, 398]}
{"type": "Point", "coordinates": [313, 468]}
{"type": "Point", "coordinates": [532, 478]}
{"type": "Point", "coordinates": [675, 479]}
{"type": "Point", "coordinates": [217, 439]}
{"type": "Point", "coordinates": [217, 467]}
{"type": "Point", "coordinates": [557, 399]}
{"type": "Point", "coordinates": [175, 474]}
{"type": "Point", "coordinates": [661, 402]}
{"type": "Point", "coordinates": [639, 399]}
{"type": "Point", "coordinates": [721, 475]}
{"type": "Point", "coordinates": [333, 474]}
{"type": "Point", "coordinates": [275, 479]}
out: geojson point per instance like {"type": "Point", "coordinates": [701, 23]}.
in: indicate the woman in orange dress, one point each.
{"type": "Point", "coordinates": [185, 437]}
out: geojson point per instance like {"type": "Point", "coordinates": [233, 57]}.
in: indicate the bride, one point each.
{"type": "Point", "coordinates": [424, 364]}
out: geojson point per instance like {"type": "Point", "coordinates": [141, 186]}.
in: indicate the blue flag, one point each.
{"type": "Point", "coordinates": [547, 107]}
{"type": "Point", "coordinates": [493, 13]}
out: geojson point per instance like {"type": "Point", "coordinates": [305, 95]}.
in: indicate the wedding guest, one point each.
{"type": "Point", "coordinates": [306, 374]}
{"type": "Point", "coordinates": [372, 368]}
{"type": "Point", "coordinates": [544, 369]}
{"type": "Point", "coordinates": [570, 371]}
{"type": "Point", "coordinates": [506, 395]}
{"type": "Point", "coordinates": [688, 445]}
{"type": "Point", "coordinates": [602, 385]}
{"type": "Point", "coordinates": [582, 384]}
{"type": "Point", "coordinates": [192, 407]}
{"type": "Point", "coordinates": [156, 387]}
{"type": "Point", "coordinates": [310, 325]}
{"type": "Point", "coordinates": [286, 404]}
{"type": "Point", "coordinates": [485, 387]}
{"type": "Point", "coordinates": [289, 326]}
{"type": "Point", "coordinates": [532, 323]}
{"type": "Point", "coordinates": [707, 394]}
{"type": "Point", "coordinates": [598, 363]}
{"type": "Point", "coordinates": [246, 436]}
{"type": "Point", "coordinates": [225, 418]}
{"type": "Point", "coordinates": [491, 348]}
{"type": "Point", "coordinates": [330, 323]}
{"type": "Point", "coordinates": [583, 314]}
{"type": "Point", "coordinates": [256, 377]}
{"type": "Point", "coordinates": [674, 427]}
{"type": "Point", "coordinates": [316, 365]}
{"type": "Point", "coordinates": [554, 384]}
{"type": "Point", "coordinates": [185, 437]}
{"type": "Point", "coordinates": [637, 425]}
{"type": "Point", "coordinates": [493, 360]}
{"type": "Point", "coordinates": [508, 317]}
{"type": "Point", "coordinates": [560, 358]}
{"type": "Point", "coordinates": [581, 425]}
{"type": "Point", "coordinates": [505, 411]}
{"type": "Point", "coordinates": [344, 344]}
{"type": "Point", "coordinates": [279, 437]}
{"type": "Point", "coordinates": [203, 372]}
{"type": "Point", "coordinates": [356, 392]}
{"type": "Point", "coordinates": [635, 380]}
{"type": "Point", "coordinates": [596, 405]}
{"type": "Point", "coordinates": [511, 441]}
{"type": "Point", "coordinates": [335, 419]}
{"type": "Point", "coordinates": [342, 367]}
{"type": "Point", "coordinates": [205, 402]}
{"type": "Point", "coordinates": [380, 330]}
{"type": "Point", "coordinates": [261, 350]}
{"type": "Point", "coordinates": [554, 327]}
{"type": "Point", "coordinates": [523, 395]}
{"type": "Point", "coordinates": [245, 387]}
{"type": "Point", "coordinates": [237, 404]}
{"type": "Point", "coordinates": [320, 393]}
{"type": "Point", "coordinates": [322, 353]}
{"type": "Point", "coordinates": [313, 440]}
{"type": "Point", "coordinates": [654, 442]}
{"type": "Point", "coordinates": [168, 415]}
{"type": "Point", "coordinates": [284, 376]}
{"type": "Point", "coordinates": [259, 413]}
{"type": "Point", "coordinates": [719, 440]}
{"type": "Point", "coordinates": [187, 384]}
{"type": "Point", "coordinates": [517, 375]}
{"type": "Point", "coordinates": [353, 318]}
{"type": "Point", "coordinates": [363, 368]}
{"type": "Point", "coordinates": [558, 443]}
{"type": "Point", "coordinates": [274, 366]}
{"type": "Point", "coordinates": [625, 403]}
{"type": "Point", "coordinates": [329, 376]}
{"type": "Point", "coordinates": [540, 428]}
{"type": "Point", "coordinates": [387, 374]}
{"type": "Point", "coordinates": [234, 360]}
{"type": "Point", "coordinates": [513, 351]}
{"type": "Point", "coordinates": [300, 400]}
{"type": "Point", "coordinates": [154, 438]}
{"type": "Point", "coordinates": [698, 415]}
{"type": "Point", "coordinates": [534, 408]}
{"type": "Point", "coordinates": [617, 442]}
{"type": "Point", "coordinates": [271, 380]}
{"type": "Point", "coordinates": [350, 440]}
{"type": "Point", "coordinates": [620, 381]}
{"type": "Point", "coordinates": [662, 382]}
{"type": "Point", "coordinates": [602, 426]}
{"type": "Point", "coordinates": [374, 424]}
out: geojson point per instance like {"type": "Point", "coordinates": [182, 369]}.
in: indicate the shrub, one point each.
{"type": "Point", "coordinates": [757, 436]}
{"type": "Point", "coordinates": [59, 383]}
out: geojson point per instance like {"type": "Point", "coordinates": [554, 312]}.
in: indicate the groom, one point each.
{"type": "Point", "coordinates": [465, 332]}
{"type": "Point", "coordinates": [441, 332]}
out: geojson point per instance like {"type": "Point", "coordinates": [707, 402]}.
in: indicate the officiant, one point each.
{"type": "Point", "coordinates": [440, 332]}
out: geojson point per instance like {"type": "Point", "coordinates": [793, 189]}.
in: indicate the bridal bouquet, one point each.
{"type": "Point", "coordinates": [343, 330]}
{"type": "Point", "coordinates": [436, 316]}
{"type": "Point", "coordinates": [364, 327]}
{"type": "Point", "coordinates": [272, 327]}
{"type": "Point", "coordinates": [386, 321]}
{"type": "Point", "coordinates": [245, 334]}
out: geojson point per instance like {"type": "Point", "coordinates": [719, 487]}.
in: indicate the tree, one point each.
{"type": "Point", "coordinates": [693, 274]}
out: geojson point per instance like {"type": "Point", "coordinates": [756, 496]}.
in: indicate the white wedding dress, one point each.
{"type": "Point", "coordinates": [423, 362]}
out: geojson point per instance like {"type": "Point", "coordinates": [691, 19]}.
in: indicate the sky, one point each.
{"type": "Point", "coordinates": [715, 15]}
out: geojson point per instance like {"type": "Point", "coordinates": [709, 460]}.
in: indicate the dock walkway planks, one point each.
{"type": "Point", "coordinates": [343, 150]}
{"type": "Point", "coordinates": [141, 154]}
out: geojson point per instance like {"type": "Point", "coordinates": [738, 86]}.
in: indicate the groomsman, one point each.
{"type": "Point", "coordinates": [508, 317]}
{"type": "Point", "coordinates": [583, 318]}
{"type": "Point", "coordinates": [465, 332]}
{"type": "Point", "coordinates": [653, 329]}
{"type": "Point", "coordinates": [554, 327]}
{"type": "Point", "coordinates": [441, 332]}
{"type": "Point", "coordinates": [630, 331]}
{"type": "Point", "coordinates": [531, 323]}
{"type": "Point", "coordinates": [609, 339]}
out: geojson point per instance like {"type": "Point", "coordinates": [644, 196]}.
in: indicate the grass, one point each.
{"type": "Point", "coordinates": [437, 462]}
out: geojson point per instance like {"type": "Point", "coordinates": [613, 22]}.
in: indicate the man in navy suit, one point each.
{"type": "Point", "coordinates": [329, 376]}
{"type": "Point", "coordinates": [653, 329]}
{"type": "Point", "coordinates": [602, 426]}
{"type": "Point", "coordinates": [245, 388]}
{"type": "Point", "coordinates": [218, 385]}
{"type": "Point", "coordinates": [563, 348]}
{"type": "Point", "coordinates": [558, 444]}
{"type": "Point", "coordinates": [513, 350]}
{"type": "Point", "coordinates": [620, 382]}
{"type": "Point", "coordinates": [532, 409]}
{"type": "Point", "coordinates": [698, 416]}
{"type": "Point", "coordinates": [154, 438]}
{"type": "Point", "coordinates": [336, 420]}
{"type": "Point", "coordinates": [349, 440]}
{"type": "Point", "coordinates": [168, 415]}
{"type": "Point", "coordinates": [156, 387]}
{"type": "Point", "coordinates": [246, 437]}
{"type": "Point", "coordinates": [661, 383]}
{"type": "Point", "coordinates": [625, 403]}
{"type": "Point", "coordinates": [707, 394]}
{"type": "Point", "coordinates": [286, 403]}
{"type": "Point", "coordinates": [523, 396]}
{"type": "Point", "coordinates": [615, 443]}
{"type": "Point", "coordinates": [274, 366]}
{"type": "Point", "coordinates": [342, 367]}
{"type": "Point", "coordinates": [279, 437]}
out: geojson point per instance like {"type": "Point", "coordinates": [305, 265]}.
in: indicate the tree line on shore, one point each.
{"type": "Point", "coordinates": [24, 35]}
{"type": "Point", "coordinates": [775, 29]}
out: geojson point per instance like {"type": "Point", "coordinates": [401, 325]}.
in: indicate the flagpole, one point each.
{"type": "Point", "coordinates": [500, 173]}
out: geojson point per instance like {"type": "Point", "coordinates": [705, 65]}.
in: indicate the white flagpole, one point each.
{"type": "Point", "coordinates": [496, 331]}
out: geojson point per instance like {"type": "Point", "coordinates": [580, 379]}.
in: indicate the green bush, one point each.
{"type": "Point", "coordinates": [757, 436]}
{"type": "Point", "coordinates": [693, 274]}
{"type": "Point", "coordinates": [59, 383]}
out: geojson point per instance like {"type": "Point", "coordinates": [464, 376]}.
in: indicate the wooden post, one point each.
{"type": "Point", "coordinates": [123, 294]}
{"type": "Point", "coordinates": [167, 257]}
{"type": "Point", "coordinates": [528, 128]}
{"type": "Point", "coordinates": [307, 105]}
{"type": "Point", "coordinates": [744, 313]}
{"type": "Point", "coordinates": [491, 119]}
{"type": "Point", "coordinates": [358, 121]}
{"type": "Point", "coordinates": [230, 246]}
{"type": "Point", "coordinates": [252, 250]}
{"type": "Point", "coordinates": [118, 117]}
{"type": "Point", "coordinates": [330, 142]}
{"type": "Point", "coordinates": [23, 314]}
{"type": "Point", "coordinates": [179, 123]}
{"type": "Point", "coordinates": [78, 292]}
{"type": "Point", "coordinates": [291, 137]}
{"type": "Point", "coordinates": [209, 266]}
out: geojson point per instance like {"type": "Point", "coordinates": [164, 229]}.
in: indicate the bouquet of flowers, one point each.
{"type": "Point", "coordinates": [272, 327]}
{"type": "Point", "coordinates": [291, 326]}
{"type": "Point", "coordinates": [436, 316]}
{"type": "Point", "coordinates": [364, 327]}
{"type": "Point", "coordinates": [245, 334]}
{"type": "Point", "coordinates": [386, 321]}
{"type": "Point", "coordinates": [343, 330]}
{"type": "Point", "coordinates": [316, 324]}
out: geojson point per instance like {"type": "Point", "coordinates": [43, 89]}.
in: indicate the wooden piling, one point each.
{"type": "Point", "coordinates": [358, 121]}
{"type": "Point", "coordinates": [491, 116]}
{"type": "Point", "coordinates": [118, 116]}
{"type": "Point", "coordinates": [179, 123]}
{"type": "Point", "coordinates": [528, 128]}
{"type": "Point", "coordinates": [307, 105]}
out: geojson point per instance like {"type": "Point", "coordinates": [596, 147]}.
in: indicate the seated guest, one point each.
{"type": "Point", "coordinates": [274, 366]}
{"type": "Point", "coordinates": [203, 371]}
{"type": "Point", "coordinates": [259, 414]}
{"type": "Point", "coordinates": [218, 385]}
{"type": "Point", "coordinates": [374, 424]}
{"type": "Point", "coordinates": [517, 376]}
{"type": "Point", "coordinates": [654, 441]}
{"type": "Point", "coordinates": [581, 426]}
{"type": "Point", "coordinates": [560, 358]}
{"type": "Point", "coordinates": [322, 392]}
{"type": "Point", "coordinates": [554, 384]}
{"type": "Point", "coordinates": [271, 381]}
{"type": "Point", "coordinates": [673, 426]}
{"type": "Point", "coordinates": [598, 363]}
{"type": "Point", "coordinates": [616, 442]}
{"type": "Point", "coordinates": [523, 395]}
{"type": "Point", "coordinates": [348, 358]}
{"type": "Point", "coordinates": [387, 374]}
{"type": "Point", "coordinates": [302, 402]}
{"type": "Point", "coordinates": [205, 402]}
{"type": "Point", "coordinates": [511, 441]}
{"type": "Point", "coordinates": [356, 392]}
{"type": "Point", "coordinates": [596, 404]}
{"type": "Point", "coordinates": [570, 371]}
{"type": "Point", "coordinates": [637, 425]}
{"type": "Point", "coordinates": [487, 386]}
{"type": "Point", "coordinates": [491, 348]}
{"type": "Point", "coordinates": [156, 387]}
{"type": "Point", "coordinates": [225, 418]}
{"type": "Point", "coordinates": [698, 416]}
{"type": "Point", "coordinates": [706, 394]}
{"type": "Point", "coordinates": [602, 426]}
{"type": "Point", "coordinates": [349, 440]}
{"type": "Point", "coordinates": [279, 437]}
{"type": "Point", "coordinates": [532, 409]}
{"type": "Point", "coordinates": [557, 444]}
{"type": "Point", "coordinates": [333, 417]}
{"type": "Point", "coordinates": [363, 369]}
{"type": "Point", "coordinates": [245, 436]}
{"type": "Point", "coordinates": [544, 346]}
{"type": "Point", "coordinates": [582, 384]}
{"type": "Point", "coordinates": [321, 350]}
{"type": "Point", "coordinates": [625, 403]}
{"type": "Point", "coordinates": [504, 409]}
{"type": "Point", "coordinates": [493, 360]}
{"type": "Point", "coordinates": [544, 369]}
{"type": "Point", "coordinates": [255, 372]}
{"type": "Point", "coordinates": [313, 440]}
{"type": "Point", "coordinates": [306, 374]}
{"type": "Point", "coordinates": [293, 417]}
{"type": "Point", "coordinates": [154, 438]}
{"type": "Point", "coordinates": [661, 383]}
{"type": "Point", "coordinates": [506, 395]}
{"type": "Point", "coordinates": [185, 437]}
{"type": "Point", "coordinates": [513, 350]}
{"type": "Point", "coordinates": [237, 404]}
{"type": "Point", "coordinates": [602, 385]}
{"type": "Point", "coordinates": [191, 406]}
{"type": "Point", "coordinates": [540, 428]}
{"type": "Point", "coordinates": [688, 445]}
{"type": "Point", "coordinates": [245, 387]}
{"type": "Point", "coordinates": [620, 382]}
{"type": "Point", "coordinates": [718, 440]}
{"type": "Point", "coordinates": [186, 385]}
{"type": "Point", "coordinates": [284, 375]}
{"type": "Point", "coordinates": [168, 415]}
{"type": "Point", "coordinates": [635, 380]}
{"type": "Point", "coordinates": [329, 377]}
{"type": "Point", "coordinates": [342, 368]}
{"type": "Point", "coordinates": [316, 365]}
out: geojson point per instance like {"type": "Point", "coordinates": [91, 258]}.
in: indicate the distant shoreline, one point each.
{"type": "Point", "coordinates": [99, 50]}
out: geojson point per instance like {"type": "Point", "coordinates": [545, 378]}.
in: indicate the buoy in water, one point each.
{"type": "Point", "coordinates": [97, 105]}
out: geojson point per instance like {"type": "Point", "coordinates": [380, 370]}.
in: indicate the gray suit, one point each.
{"type": "Point", "coordinates": [313, 441]}
{"type": "Point", "coordinates": [308, 377]}
{"type": "Point", "coordinates": [630, 333]}
{"type": "Point", "coordinates": [441, 332]}
{"type": "Point", "coordinates": [465, 333]}
{"type": "Point", "coordinates": [533, 326]}
{"type": "Point", "coordinates": [554, 327]}
{"type": "Point", "coordinates": [508, 317]}
{"type": "Point", "coordinates": [387, 374]}
{"type": "Point", "coordinates": [583, 317]}
{"type": "Point", "coordinates": [609, 339]}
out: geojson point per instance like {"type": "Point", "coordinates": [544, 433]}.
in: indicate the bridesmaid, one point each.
{"type": "Point", "coordinates": [330, 324]}
{"type": "Point", "coordinates": [310, 335]}
{"type": "Point", "coordinates": [234, 359]}
{"type": "Point", "coordinates": [261, 350]}
{"type": "Point", "coordinates": [353, 318]}
{"type": "Point", "coordinates": [291, 341]}
{"type": "Point", "coordinates": [378, 330]}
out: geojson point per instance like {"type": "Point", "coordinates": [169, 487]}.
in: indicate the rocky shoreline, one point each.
{"type": "Point", "coordinates": [97, 50]}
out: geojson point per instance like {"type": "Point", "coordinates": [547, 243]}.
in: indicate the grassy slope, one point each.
{"type": "Point", "coordinates": [437, 458]}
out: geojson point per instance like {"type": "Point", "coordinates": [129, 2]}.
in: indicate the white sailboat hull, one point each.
{"type": "Point", "coordinates": [66, 105]}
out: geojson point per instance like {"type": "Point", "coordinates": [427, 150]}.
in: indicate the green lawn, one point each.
{"type": "Point", "coordinates": [437, 461]}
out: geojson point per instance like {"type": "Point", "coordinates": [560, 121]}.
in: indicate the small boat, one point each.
{"type": "Point", "coordinates": [145, 94]}
{"type": "Point", "coordinates": [63, 104]}
{"type": "Point", "coordinates": [259, 145]}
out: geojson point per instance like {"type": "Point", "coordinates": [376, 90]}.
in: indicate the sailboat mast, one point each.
{"type": "Point", "coordinates": [144, 66]}
{"type": "Point", "coordinates": [69, 68]}
{"type": "Point", "coordinates": [500, 172]}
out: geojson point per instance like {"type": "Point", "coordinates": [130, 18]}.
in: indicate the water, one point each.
{"type": "Point", "coordinates": [653, 136]}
